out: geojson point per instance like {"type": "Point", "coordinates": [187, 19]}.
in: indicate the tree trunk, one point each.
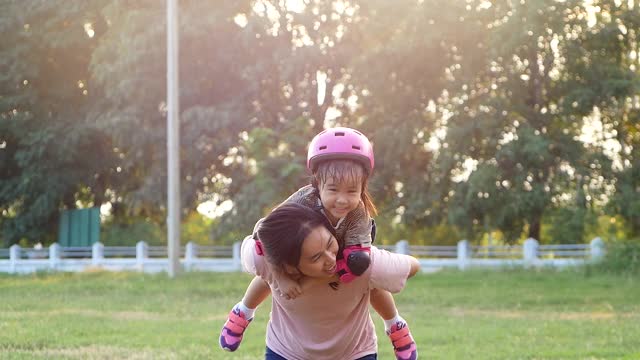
{"type": "Point", "coordinates": [534, 227]}
{"type": "Point", "coordinates": [635, 226]}
{"type": "Point", "coordinates": [69, 200]}
{"type": "Point", "coordinates": [98, 191]}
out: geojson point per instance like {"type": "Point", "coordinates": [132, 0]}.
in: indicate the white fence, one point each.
{"type": "Point", "coordinates": [195, 257]}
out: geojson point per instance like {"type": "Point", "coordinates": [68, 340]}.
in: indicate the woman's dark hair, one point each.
{"type": "Point", "coordinates": [283, 231]}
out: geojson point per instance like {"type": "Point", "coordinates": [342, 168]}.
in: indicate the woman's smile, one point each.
{"type": "Point", "coordinates": [331, 270]}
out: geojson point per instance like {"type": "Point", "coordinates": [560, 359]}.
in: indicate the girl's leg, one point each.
{"type": "Point", "coordinates": [382, 302]}
{"type": "Point", "coordinates": [242, 314]}
{"type": "Point", "coordinates": [395, 326]}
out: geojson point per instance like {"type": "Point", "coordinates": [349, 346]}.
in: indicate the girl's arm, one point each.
{"type": "Point", "coordinates": [283, 284]}
{"type": "Point", "coordinates": [359, 228]}
{"type": "Point", "coordinates": [357, 244]}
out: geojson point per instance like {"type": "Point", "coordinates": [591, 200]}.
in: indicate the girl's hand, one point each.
{"type": "Point", "coordinates": [307, 282]}
{"type": "Point", "coordinates": [289, 289]}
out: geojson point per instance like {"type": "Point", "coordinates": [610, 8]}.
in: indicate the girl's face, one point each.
{"type": "Point", "coordinates": [318, 255]}
{"type": "Point", "coordinates": [339, 198]}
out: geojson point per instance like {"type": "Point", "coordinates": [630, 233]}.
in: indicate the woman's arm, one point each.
{"type": "Point", "coordinates": [390, 271]}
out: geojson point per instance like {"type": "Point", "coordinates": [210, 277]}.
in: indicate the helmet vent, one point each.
{"type": "Point", "coordinates": [339, 134]}
{"type": "Point", "coordinates": [355, 147]}
{"type": "Point", "coordinates": [322, 147]}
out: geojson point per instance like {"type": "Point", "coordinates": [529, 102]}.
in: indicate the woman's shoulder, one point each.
{"type": "Point", "coordinates": [384, 257]}
{"type": "Point", "coordinates": [389, 271]}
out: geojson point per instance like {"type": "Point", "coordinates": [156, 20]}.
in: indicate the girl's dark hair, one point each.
{"type": "Point", "coordinates": [343, 170]}
{"type": "Point", "coordinates": [283, 231]}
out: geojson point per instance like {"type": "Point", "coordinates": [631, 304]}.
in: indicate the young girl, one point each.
{"type": "Point", "coordinates": [341, 160]}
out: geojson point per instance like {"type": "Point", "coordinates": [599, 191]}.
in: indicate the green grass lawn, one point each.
{"type": "Point", "coordinates": [453, 315]}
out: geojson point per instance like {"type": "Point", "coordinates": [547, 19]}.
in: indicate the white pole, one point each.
{"type": "Point", "coordinates": [173, 140]}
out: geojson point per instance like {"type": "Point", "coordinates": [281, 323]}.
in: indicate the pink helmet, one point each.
{"type": "Point", "coordinates": [340, 143]}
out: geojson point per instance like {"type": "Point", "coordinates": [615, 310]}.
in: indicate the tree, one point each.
{"type": "Point", "coordinates": [476, 109]}
{"type": "Point", "coordinates": [245, 66]}
{"type": "Point", "coordinates": [52, 157]}
{"type": "Point", "coordinates": [517, 119]}
{"type": "Point", "coordinates": [608, 80]}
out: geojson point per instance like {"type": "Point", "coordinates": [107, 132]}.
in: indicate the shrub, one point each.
{"type": "Point", "coordinates": [622, 257]}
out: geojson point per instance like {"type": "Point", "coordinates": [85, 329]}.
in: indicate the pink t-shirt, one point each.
{"type": "Point", "coordinates": [324, 323]}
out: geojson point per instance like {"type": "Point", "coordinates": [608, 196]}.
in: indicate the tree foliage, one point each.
{"type": "Point", "coordinates": [53, 156]}
{"type": "Point", "coordinates": [478, 111]}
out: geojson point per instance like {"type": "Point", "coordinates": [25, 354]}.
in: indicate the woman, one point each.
{"type": "Point", "coordinates": [328, 321]}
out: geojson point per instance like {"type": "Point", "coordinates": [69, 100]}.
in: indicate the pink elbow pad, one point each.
{"type": "Point", "coordinates": [355, 262]}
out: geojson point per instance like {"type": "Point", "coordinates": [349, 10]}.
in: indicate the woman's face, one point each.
{"type": "Point", "coordinates": [318, 255]}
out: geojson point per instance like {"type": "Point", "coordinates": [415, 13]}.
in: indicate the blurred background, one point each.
{"type": "Point", "coordinates": [492, 121]}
